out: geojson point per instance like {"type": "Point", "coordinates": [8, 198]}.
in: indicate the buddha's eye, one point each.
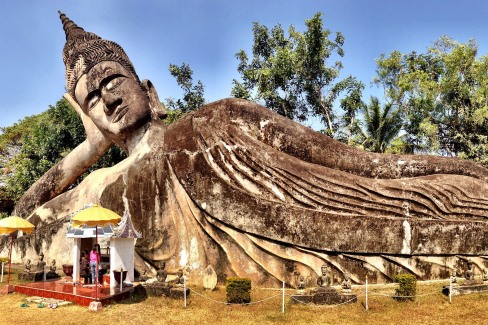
{"type": "Point", "coordinates": [114, 83]}
{"type": "Point", "coordinates": [93, 101]}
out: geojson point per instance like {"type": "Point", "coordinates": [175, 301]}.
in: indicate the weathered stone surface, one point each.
{"type": "Point", "coordinates": [209, 278]}
{"type": "Point", "coordinates": [327, 296]}
{"type": "Point", "coordinates": [158, 289]}
{"type": "Point", "coordinates": [250, 192]}
{"type": "Point", "coordinates": [333, 298]}
{"type": "Point", "coordinates": [37, 276]}
{"type": "Point", "coordinates": [95, 306]}
{"type": "Point", "coordinates": [303, 299]}
{"type": "Point", "coordinates": [204, 216]}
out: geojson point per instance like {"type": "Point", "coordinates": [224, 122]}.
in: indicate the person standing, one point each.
{"type": "Point", "coordinates": [94, 260]}
{"type": "Point", "coordinates": [85, 267]}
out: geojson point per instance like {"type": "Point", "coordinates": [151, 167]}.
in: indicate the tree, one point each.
{"type": "Point", "coordinates": [193, 95]}
{"type": "Point", "coordinates": [381, 125]}
{"type": "Point", "coordinates": [292, 75]}
{"type": "Point", "coordinates": [443, 94]}
{"type": "Point", "coordinates": [50, 137]}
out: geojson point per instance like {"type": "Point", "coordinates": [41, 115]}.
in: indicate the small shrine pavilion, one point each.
{"type": "Point", "coordinates": [121, 248]}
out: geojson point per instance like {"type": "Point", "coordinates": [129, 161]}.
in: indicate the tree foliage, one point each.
{"type": "Point", "coordinates": [381, 125]}
{"type": "Point", "coordinates": [193, 95]}
{"type": "Point", "coordinates": [443, 95]}
{"type": "Point", "coordinates": [292, 74]}
{"type": "Point", "coordinates": [49, 137]}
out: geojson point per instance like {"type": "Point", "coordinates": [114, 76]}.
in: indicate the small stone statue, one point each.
{"type": "Point", "coordinates": [179, 280]}
{"type": "Point", "coordinates": [144, 276]}
{"type": "Point", "coordinates": [346, 284]}
{"type": "Point", "coordinates": [161, 274]}
{"type": "Point", "coordinates": [28, 266]}
{"type": "Point", "coordinates": [469, 275]}
{"type": "Point", "coordinates": [301, 285]}
{"type": "Point", "coordinates": [41, 263]}
{"type": "Point", "coordinates": [52, 268]}
{"type": "Point", "coordinates": [485, 275]}
{"type": "Point", "coordinates": [454, 277]}
{"type": "Point", "coordinates": [324, 280]}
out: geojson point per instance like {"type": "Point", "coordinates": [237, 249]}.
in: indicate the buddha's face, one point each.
{"type": "Point", "coordinates": [324, 270]}
{"type": "Point", "coordinates": [111, 96]}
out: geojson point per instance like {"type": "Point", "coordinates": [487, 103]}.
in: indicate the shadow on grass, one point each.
{"type": "Point", "coordinates": [138, 295]}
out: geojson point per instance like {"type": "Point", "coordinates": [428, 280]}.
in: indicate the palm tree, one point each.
{"type": "Point", "coordinates": [381, 125]}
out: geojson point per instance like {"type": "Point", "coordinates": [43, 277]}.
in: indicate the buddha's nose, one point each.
{"type": "Point", "coordinates": [111, 102]}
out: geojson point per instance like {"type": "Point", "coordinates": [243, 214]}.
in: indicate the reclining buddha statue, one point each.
{"type": "Point", "coordinates": [238, 187]}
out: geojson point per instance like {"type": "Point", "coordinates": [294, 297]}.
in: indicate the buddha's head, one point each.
{"type": "Point", "coordinates": [324, 269]}
{"type": "Point", "coordinates": [103, 81]}
{"type": "Point", "coordinates": [162, 265]}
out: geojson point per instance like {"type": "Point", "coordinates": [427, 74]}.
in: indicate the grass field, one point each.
{"type": "Point", "coordinates": [431, 307]}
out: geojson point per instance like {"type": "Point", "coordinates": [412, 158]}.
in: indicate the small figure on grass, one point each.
{"type": "Point", "coordinates": [28, 266]}
{"type": "Point", "coordinates": [469, 274]}
{"type": "Point", "coordinates": [162, 274]}
{"type": "Point", "coordinates": [485, 275]}
{"type": "Point", "coordinates": [346, 284]}
{"type": "Point", "coordinates": [52, 268]}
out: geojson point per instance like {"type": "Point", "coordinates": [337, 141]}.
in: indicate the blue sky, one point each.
{"type": "Point", "coordinates": [206, 35]}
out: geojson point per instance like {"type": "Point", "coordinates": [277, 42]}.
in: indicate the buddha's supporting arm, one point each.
{"type": "Point", "coordinates": [62, 175]}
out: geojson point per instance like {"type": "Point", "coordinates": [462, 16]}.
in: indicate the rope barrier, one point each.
{"type": "Point", "coordinates": [229, 303]}
{"type": "Point", "coordinates": [395, 296]}
{"type": "Point", "coordinates": [358, 294]}
{"type": "Point", "coordinates": [474, 285]}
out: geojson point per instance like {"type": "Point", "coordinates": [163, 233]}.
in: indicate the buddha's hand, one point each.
{"type": "Point", "coordinates": [94, 136]}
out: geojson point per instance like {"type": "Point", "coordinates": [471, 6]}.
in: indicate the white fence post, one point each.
{"type": "Point", "coordinates": [184, 289]}
{"type": "Point", "coordinates": [366, 305]}
{"type": "Point", "coordinates": [283, 299]}
{"type": "Point", "coordinates": [450, 289]}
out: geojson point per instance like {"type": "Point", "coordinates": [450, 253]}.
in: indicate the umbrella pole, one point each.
{"type": "Point", "coordinates": [10, 257]}
{"type": "Point", "coordinates": [98, 257]}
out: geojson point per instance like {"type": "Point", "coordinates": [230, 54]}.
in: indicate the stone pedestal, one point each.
{"type": "Point", "coordinates": [301, 298]}
{"type": "Point", "coordinates": [178, 292]}
{"type": "Point", "coordinates": [333, 298]}
{"type": "Point", "coordinates": [95, 306]}
{"type": "Point", "coordinates": [465, 289]}
{"type": "Point", "coordinates": [37, 276]}
{"type": "Point", "coordinates": [156, 289]}
{"type": "Point", "coordinates": [163, 289]}
{"type": "Point", "coordinates": [52, 275]}
{"type": "Point", "coordinates": [8, 289]}
{"type": "Point", "coordinates": [325, 296]}
{"type": "Point", "coordinates": [31, 276]}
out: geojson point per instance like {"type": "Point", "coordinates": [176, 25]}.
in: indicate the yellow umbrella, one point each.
{"type": "Point", "coordinates": [95, 216]}
{"type": "Point", "coordinates": [11, 224]}
{"type": "Point", "coordinates": [7, 227]}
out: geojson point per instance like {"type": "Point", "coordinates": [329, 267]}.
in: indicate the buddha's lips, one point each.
{"type": "Point", "coordinates": [119, 113]}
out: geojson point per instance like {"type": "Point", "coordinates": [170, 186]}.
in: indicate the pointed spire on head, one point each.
{"type": "Point", "coordinates": [70, 28]}
{"type": "Point", "coordinates": [83, 50]}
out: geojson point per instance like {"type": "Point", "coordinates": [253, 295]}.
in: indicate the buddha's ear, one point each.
{"type": "Point", "coordinates": [157, 108]}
